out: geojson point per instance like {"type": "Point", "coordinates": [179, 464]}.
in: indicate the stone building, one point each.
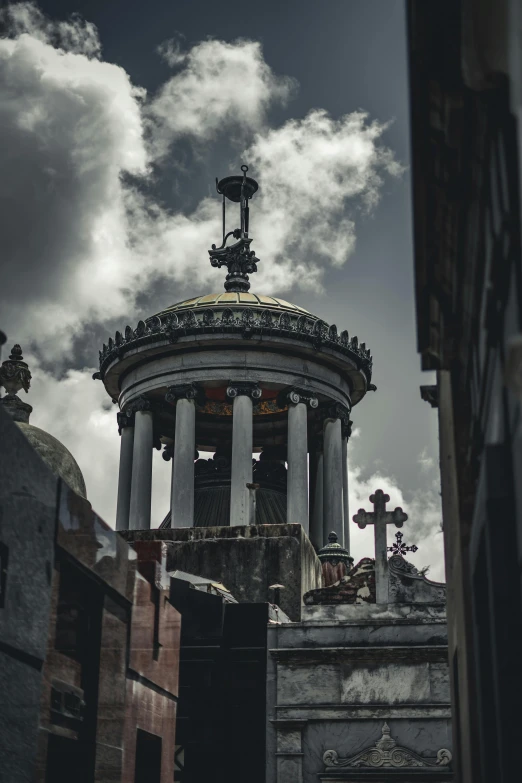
{"type": "Point", "coordinates": [359, 688]}
{"type": "Point", "coordinates": [89, 640]}
{"type": "Point", "coordinates": [466, 112]}
{"type": "Point", "coordinates": [295, 666]}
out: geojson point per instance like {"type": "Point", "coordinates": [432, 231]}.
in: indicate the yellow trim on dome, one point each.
{"type": "Point", "coordinates": [228, 299]}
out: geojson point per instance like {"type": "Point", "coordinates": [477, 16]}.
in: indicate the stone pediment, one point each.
{"type": "Point", "coordinates": [386, 754]}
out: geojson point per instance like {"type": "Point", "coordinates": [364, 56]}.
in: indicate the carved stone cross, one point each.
{"type": "Point", "coordinates": [380, 518]}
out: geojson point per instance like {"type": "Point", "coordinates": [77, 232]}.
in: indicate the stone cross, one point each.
{"type": "Point", "coordinates": [380, 518]}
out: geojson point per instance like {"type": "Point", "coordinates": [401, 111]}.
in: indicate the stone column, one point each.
{"type": "Point", "coordinates": [297, 456]}
{"type": "Point", "coordinates": [346, 432]}
{"type": "Point", "coordinates": [139, 517]}
{"type": "Point", "coordinates": [333, 472]}
{"type": "Point", "coordinates": [182, 495]}
{"type": "Point", "coordinates": [242, 394]}
{"type": "Point", "coordinates": [316, 528]}
{"type": "Point", "coordinates": [126, 430]}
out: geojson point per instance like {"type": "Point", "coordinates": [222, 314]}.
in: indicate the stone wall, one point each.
{"type": "Point", "coordinates": [344, 672]}
{"type": "Point", "coordinates": [247, 560]}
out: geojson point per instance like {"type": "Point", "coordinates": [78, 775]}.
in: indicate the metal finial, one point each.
{"type": "Point", "coordinates": [238, 258]}
{"type": "Point", "coordinates": [15, 373]}
{"type": "Point", "coordinates": [398, 548]}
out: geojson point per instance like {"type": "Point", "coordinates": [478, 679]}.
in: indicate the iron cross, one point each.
{"type": "Point", "coordinates": [380, 518]}
{"type": "Point", "coordinates": [398, 548]}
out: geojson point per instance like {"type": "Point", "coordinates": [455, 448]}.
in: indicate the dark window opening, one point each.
{"type": "Point", "coordinates": [72, 617]}
{"type": "Point", "coordinates": [148, 758]}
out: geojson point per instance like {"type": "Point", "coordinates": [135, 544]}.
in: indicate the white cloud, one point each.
{"type": "Point", "coordinates": [422, 528]}
{"type": "Point", "coordinates": [82, 234]}
{"type": "Point", "coordinates": [74, 35]}
{"type": "Point", "coordinates": [222, 87]}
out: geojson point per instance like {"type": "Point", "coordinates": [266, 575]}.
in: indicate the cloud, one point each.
{"type": "Point", "coordinates": [84, 234]}
{"type": "Point", "coordinates": [74, 35]}
{"type": "Point", "coordinates": [423, 527]}
{"type": "Point", "coordinates": [222, 87]}
{"type": "Point", "coordinates": [318, 176]}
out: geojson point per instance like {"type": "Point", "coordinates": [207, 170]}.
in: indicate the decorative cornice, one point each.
{"type": "Point", "coordinates": [247, 388]}
{"type": "Point", "coordinates": [241, 320]}
{"type": "Point", "coordinates": [387, 754]}
{"type": "Point", "coordinates": [295, 395]}
{"type": "Point", "coordinates": [187, 391]}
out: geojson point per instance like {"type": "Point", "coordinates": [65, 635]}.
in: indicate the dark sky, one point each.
{"type": "Point", "coordinates": [346, 55]}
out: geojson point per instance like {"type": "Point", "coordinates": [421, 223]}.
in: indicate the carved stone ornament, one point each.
{"type": "Point", "coordinates": [187, 391]}
{"type": "Point", "coordinates": [347, 428]}
{"type": "Point", "coordinates": [124, 419]}
{"type": "Point", "coordinates": [15, 373]}
{"type": "Point", "coordinates": [250, 389]}
{"type": "Point", "coordinates": [243, 320]}
{"type": "Point", "coordinates": [337, 411]}
{"type": "Point", "coordinates": [296, 395]}
{"type": "Point", "coordinates": [386, 753]}
{"type": "Point", "coordinates": [140, 404]}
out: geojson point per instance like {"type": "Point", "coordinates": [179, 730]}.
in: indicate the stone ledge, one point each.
{"type": "Point", "coordinates": [370, 655]}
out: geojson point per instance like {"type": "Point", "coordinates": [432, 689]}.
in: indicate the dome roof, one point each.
{"type": "Point", "coordinates": [229, 299]}
{"type": "Point", "coordinates": [56, 457]}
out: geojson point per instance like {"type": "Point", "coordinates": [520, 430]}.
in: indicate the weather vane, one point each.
{"type": "Point", "coordinates": [398, 548]}
{"type": "Point", "coordinates": [238, 258]}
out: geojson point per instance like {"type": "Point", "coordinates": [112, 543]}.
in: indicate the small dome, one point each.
{"type": "Point", "coordinates": [56, 457]}
{"type": "Point", "coordinates": [229, 299]}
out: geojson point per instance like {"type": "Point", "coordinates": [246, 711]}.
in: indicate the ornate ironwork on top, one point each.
{"type": "Point", "coordinates": [399, 548]}
{"type": "Point", "coordinates": [238, 258]}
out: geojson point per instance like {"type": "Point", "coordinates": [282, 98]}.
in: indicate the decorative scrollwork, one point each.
{"type": "Point", "coordinates": [246, 320]}
{"type": "Point", "coordinates": [386, 753]}
{"type": "Point", "coordinates": [265, 318]}
{"type": "Point", "coordinates": [247, 388]}
{"type": "Point", "coordinates": [208, 317]}
{"type": "Point", "coordinates": [187, 391]}
{"type": "Point", "coordinates": [227, 317]}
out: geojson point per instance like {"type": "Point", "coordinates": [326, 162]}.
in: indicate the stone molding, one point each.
{"type": "Point", "coordinates": [242, 320]}
{"type": "Point", "coordinates": [387, 754]}
{"type": "Point", "coordinates": [246, 388]}
{"type": "Point", "coordinates": [436, 653]}
{"type": "Point", "coordinates": [187, 391]}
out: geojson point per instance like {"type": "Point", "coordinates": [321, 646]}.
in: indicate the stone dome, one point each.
{"type": "Point", "coordinates": [15, 375]}
{"type": "Point", "coordinates": [229, 299]}
{"type": "Point", "coordinates": [56, 456]}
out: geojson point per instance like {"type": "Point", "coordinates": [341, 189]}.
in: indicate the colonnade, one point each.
{"type": "Point", "coordinates": [326, 473]}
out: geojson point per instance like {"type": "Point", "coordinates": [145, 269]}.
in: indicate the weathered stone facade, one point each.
{"type": "Point", "coordinates": [355, 674]}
